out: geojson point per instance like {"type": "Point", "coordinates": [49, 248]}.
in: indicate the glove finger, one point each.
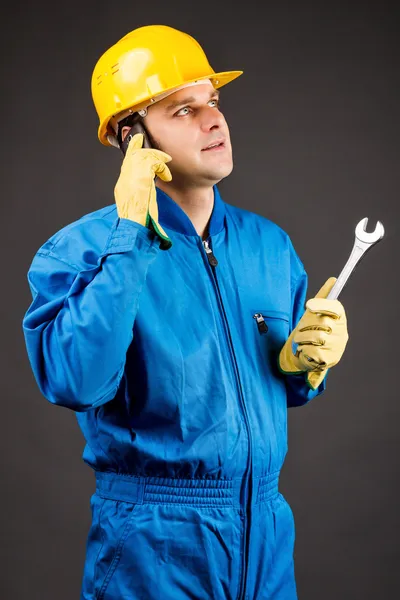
{"type": "Point", "coordinates": [316, 322]}
{"type": "Point", "coordinates": [308, 364]}
{"type": "Point", "coordinates": [323, 306]}
{"type": "Point", "coordinates": [326, 288]}
{"type": "Point", "coordinates": [312, 337]}
{"type": "Point", "coordinates": [144, 163]}
{"type": "Point", "coordinates": [162, 171]}
{"type": "Point", "coordinates": [158, 155]}
{"type": "Point", "coordinates": [135, 143]}
{"type": "Point", "coordinates": [311, 356]}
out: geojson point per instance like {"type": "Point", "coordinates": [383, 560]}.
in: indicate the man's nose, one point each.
{"type": "Point", "coordinates": [211, 119]}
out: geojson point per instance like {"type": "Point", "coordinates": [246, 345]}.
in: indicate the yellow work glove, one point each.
{"type": "Point", "coordinates": [321, 336]}
{"type": "Point", "coordinates": [135, 192]}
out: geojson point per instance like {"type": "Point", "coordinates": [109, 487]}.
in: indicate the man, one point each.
{"type": "Point", "coordinates": [173, 323]}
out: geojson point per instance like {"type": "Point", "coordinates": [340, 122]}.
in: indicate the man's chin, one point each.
{"type": "Point", "coordinates": [223, 172]}
{"type": "Point", "coordinates": [194, 176]}
{"type": "Point", "coordinates": [219, 171]}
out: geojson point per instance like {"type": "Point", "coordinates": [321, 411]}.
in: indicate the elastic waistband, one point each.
{"type": "Point", "coordinates": [266, 487]}
{"type": "Point", "coordinates": [167, 490]}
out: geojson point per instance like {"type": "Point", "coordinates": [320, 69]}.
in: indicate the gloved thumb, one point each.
{"type": "Point", "coordinates": [326, 288]}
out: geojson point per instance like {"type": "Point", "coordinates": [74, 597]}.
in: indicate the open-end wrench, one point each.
{"type": "Point", "coordinates": [362, 243]}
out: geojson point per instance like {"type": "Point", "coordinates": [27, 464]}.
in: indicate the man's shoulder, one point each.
{"type": "Point", "coordinates": [256, 223]}
{"type": "Point", "coordinates": [262, 232]}
{"type": "Point", "coordinates": [82, 239]}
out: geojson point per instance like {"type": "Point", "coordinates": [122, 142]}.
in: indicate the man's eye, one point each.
{"type": "Point", "coordinates": [187, 107]}
{"type": "Point", "coordinates": [179, 111]}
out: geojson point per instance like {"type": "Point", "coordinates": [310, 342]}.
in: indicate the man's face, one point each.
{"type": "Point", "coordinates": [183, 124]}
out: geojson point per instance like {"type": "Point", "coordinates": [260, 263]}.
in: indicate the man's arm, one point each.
{"type": "Point", "coordinates": [80, 323]}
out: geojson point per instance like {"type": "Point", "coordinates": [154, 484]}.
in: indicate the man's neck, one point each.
{"type": "Point", "coordinates": [197, 203]}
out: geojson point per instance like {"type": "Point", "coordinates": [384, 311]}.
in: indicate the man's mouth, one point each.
{"type": "Point", "coordinates": [217, 145]}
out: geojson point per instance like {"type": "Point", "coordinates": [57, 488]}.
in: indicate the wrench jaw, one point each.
{"type": "Point", "coordinates": [362, 243]}
{"type": "Point", "coordinates": [369, 238]}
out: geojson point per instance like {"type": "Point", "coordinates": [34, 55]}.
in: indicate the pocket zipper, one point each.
{"type": "Point", "coordinates": [261, 324]}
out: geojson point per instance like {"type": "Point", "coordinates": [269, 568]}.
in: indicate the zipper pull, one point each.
{"type": "Point", "coordinates": [211, 258]}
{"type": "Point", "coordinates": [261, 324]}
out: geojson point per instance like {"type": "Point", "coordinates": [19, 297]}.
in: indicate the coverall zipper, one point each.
{"type": "Point", "coordinates": [248, 495]}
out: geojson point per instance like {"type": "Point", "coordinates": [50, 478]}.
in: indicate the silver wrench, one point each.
{"type": "Point", "coordinates": [362, 243]}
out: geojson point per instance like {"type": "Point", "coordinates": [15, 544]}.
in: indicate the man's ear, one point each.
{"type": "Point", "coordinates": [124, 131]}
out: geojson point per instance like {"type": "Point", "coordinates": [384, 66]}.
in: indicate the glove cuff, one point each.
{"type": "Point", "coordinates": [315, 378]}
{"type": "Point", "coordinates": [156, 227]}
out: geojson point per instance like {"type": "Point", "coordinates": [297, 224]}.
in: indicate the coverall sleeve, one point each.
{"type": "Point", "coordinates": [80, 323]}
{"type": "Point", "coordinates": [298, 390]}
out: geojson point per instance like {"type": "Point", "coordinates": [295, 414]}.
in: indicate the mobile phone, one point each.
{"type": "Point", "coordinates": [136, 128]}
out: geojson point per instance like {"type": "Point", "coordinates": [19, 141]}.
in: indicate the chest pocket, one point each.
{"type": "Point", "coordinates": [271, 327]}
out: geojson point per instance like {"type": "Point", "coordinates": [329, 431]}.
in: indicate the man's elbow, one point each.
{"type": "Point", "coordinates": [68, 393]}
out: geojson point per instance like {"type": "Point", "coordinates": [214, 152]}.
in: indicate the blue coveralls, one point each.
{"type": "Point", "coordinates": [169, 358]}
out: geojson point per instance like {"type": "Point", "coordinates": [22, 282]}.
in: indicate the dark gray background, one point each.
{"type": "Point", "coordinates": [314, 122]}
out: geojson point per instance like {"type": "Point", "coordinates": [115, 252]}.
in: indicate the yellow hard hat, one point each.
{"type": "Point", "coordinates": [143, 65]}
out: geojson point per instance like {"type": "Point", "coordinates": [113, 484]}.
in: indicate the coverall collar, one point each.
{"type": "Point", "coordinates": [172, 216]}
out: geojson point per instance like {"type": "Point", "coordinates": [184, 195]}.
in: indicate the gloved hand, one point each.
{"type": "Point", "coordinates": [135, 191]}
{"type": "Point", "coordinates": [321, 335]}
